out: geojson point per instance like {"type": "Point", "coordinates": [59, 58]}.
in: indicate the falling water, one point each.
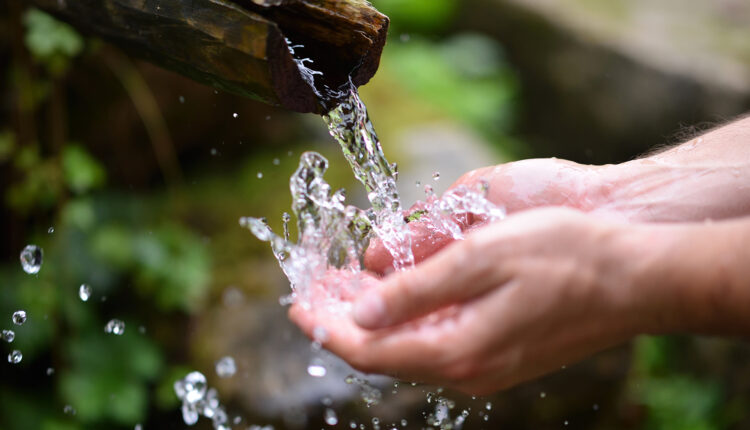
{"type": "Point", "coordinates": [335, 236]}
{"type": "Point", "coordinates": [350, 125]}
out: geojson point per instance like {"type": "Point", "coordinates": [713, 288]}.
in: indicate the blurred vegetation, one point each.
{"type": "Point", "coordinates": [157, 252]}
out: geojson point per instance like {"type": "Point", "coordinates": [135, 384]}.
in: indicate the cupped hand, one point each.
{"type": "Point", "coordinates": [515, 186]}
{"type": "Point", "coordinates": [516, 299]}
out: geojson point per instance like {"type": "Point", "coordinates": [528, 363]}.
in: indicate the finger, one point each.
{"type": "Point", "coordinates": [460, 272]}
{"type": "Point", "coordinates": [425, 241]}
{"type": "Point", "coordinates": [408, 352]}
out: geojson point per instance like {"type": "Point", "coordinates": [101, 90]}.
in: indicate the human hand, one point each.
{"type": "Point", "coordinates": [515, 186]}
{"type": "Point", "coordinates": [516, 299]}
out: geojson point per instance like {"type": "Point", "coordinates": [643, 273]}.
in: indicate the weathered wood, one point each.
{"type": "Point", "coordinates": [241, 46]}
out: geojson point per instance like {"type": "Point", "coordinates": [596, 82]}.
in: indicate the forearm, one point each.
{"type": "Point", "coordinates": [706, 178]}
{"type": "Point", "coordinates": [691, 277]}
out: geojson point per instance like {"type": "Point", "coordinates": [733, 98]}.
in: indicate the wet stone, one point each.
{"type": "Point", "coordinates": [31, 259]}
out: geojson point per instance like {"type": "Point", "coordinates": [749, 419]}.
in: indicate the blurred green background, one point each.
{"type": "Point", "coordinates": [132, 180]}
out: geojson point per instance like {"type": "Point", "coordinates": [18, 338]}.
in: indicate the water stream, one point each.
{"type": "Point", "coordinates": [334, 236]}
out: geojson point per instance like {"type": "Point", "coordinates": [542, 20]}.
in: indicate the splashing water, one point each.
{"type": "Point", "coordinates": [198, 399]}
{"type": "Point", "coordinates": [31, 259]}
{"type": "Point", "coordinates": [15, 357]}
{"type": "Point", "coordinates": [19, 317]}
{"type": "Point", "coordinates": [335, 236]}
{"type": "Point", "coordinates": [350, 125]}
{"type": "Point", "coordinates": [84, 292]}
{"type": "Point", "coordinates": [226, 367]}
{"type": "Point", "coordinates": [115, 327]}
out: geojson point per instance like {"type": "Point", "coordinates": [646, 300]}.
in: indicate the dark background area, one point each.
{"type": "Point", "coordinates": [132, 180]}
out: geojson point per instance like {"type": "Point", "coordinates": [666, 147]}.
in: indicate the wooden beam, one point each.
{"type": "Point", "coordinates": [242, 46]}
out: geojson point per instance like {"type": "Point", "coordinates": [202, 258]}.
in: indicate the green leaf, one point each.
{"type": "Point", "coordinates": [81, 171]}
{"type": "Point", "coordinates": [50, 41]}
{"type": "Point", "coordinates": [418, 15]}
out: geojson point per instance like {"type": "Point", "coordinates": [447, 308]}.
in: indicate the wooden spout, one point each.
{"type": "Point", "coordinates": [242, 46]}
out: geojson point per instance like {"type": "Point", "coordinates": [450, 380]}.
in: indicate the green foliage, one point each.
{"type": "Point", "coordinates": [415, 216]}
{"type": "Point", "coordinates": [680, 403]}
{"type": "Point", "coordinates": [464, 76]}
{"type": "Point", "coordinates": [107, 379]}
{"type": "Point", "coordinates": [674, 399]}
{"type": "Point", "coordinates": [81, 171]}
{"type": "Point", "coordinates": [168, 263]}
{"type": "Point", "coordinates": [40, 184]}
{"type": "Point", "coordinates": [418, 15]}
{"type": "Point", "coordinates": [50, 41]}
{"type": "Point", "coordinates": [7, 145]}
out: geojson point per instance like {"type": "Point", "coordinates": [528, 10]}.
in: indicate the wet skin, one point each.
{"type": "Point", "coordinates": [550, 285]}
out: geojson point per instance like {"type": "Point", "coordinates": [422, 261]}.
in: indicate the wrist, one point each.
{"type": "Point", "coordinates": [684, 278]}
{"type": "Point", "coordinates": [629, 191]}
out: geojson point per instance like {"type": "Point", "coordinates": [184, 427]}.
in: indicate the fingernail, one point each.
{"type": "Point", "coordinates": [369, 310]}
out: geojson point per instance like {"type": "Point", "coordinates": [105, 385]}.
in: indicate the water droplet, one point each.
{"type": "Point", "coordinates": [436, 176]}
{"type": "Point", "coordinates": [404, 423]}
{"type": "Point", "coordinates": [115, 327]}
{"type": "Point", "coordinates": [320, 334]}
{"type": "Point", "coordinates": [19, 317]}
{"type": "Point", "coordinates": [8, 335]}
{"type": "Point", "coordinates": [405, 37]}
{"type": "Point", "coordinates": [15, 356]}
{"type": "Point", "coordinates": [69, 410]}
{"type": "Point", "coordinates": [31, 259]}
{"type": "Point", "coordinates": [488, 406]}
{"type": "Point", "coordinates": [189, 414]}
{"type": "Point", "coordinates": [84, 292]}
{"type": "Point", "coordinates": [182, 99]}
{"type": "Point", "coordinates": [330, 417]}
{"type": "Point", "coordinates": [50, 230]}
{"type": "Point", "coordinates": [276, 161]}
{"type": "Point", "coordinates": [138, 427]}
{"type": "Point", "coordinates": [317, 370]}
{"type": "Point", "coordinates": [214, 151]}
{"type": "Point", "coordinates": [566, 422]}
{"type": "Point", "coordinates": [352, 424]}
{"type": "Point", "coordinates": [542, 394]}
{"type": "Point", "coordinates": [50, 371]}
{"type": "Point", "coordinates": [191, 389]}
{"type": "Point", "coordinates": [226, 367]}
{"type": "Point", "coordinates": [595, 407]}
{"type": "Point", "coordinates": [235, 115]}
{"type": "Point", "coordinates": [260, 175]}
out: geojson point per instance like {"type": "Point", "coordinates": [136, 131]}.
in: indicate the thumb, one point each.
{"type": "Point", "coordinates": [458, 273]}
